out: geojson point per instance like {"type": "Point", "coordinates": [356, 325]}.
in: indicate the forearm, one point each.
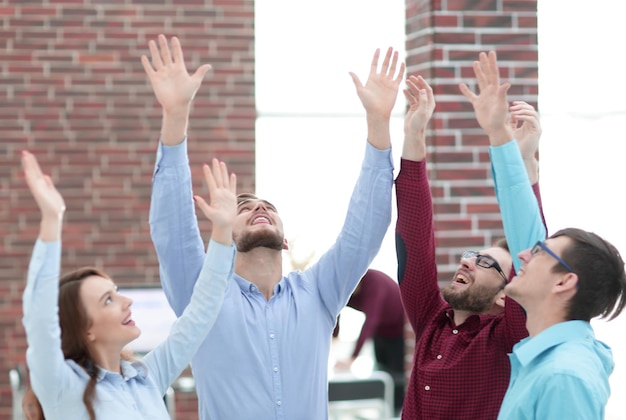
{"type": "Point", "coordinates": [367, 221]}
{"type": "Point", "coordinates": [169, 359]}
{"type": "Point", "coordinates": [41, 321]}
{"type": "Point", "coordinates": [378, 133]}
{"type": "Point", "coordinates": [520, 210]}
{"type": "Point", "coordinates": [174, 125]}
{"type": "Point", "coordinates": [415, 243]}
{"type": "Point", "coordinates": [50, 228]}
{"type": "Point", "coordinates": [174, 226]}
{"type": "Point", "coordinates": [414, 147]}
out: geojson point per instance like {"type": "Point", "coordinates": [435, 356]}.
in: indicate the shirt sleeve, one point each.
{"type": "Point", "coordinates": [369, 214]}
{"type": "Point", "coordinates": [170, 358]}
{"type": "Point", "coordinates": [521, 213]}
{"type": "Point", "coordinates": [41, 321]}
{"type": "Point", "coordinates": [415, 245]}
{"type": "Point", "coordinates": [174, 225]}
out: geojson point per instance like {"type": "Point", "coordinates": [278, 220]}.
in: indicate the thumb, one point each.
{"type": "Point", "coordinates": [203, 206]}
{"type": "Point", "coordinates": [202, 71]}
{"type": "Point", "coordinates": [471, 96]}
{"type": "Point", "coordinates": [356, 81]}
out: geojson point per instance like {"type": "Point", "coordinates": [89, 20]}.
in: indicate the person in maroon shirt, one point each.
{"type": "Point", "coordinates": [377, 295]}
{"type": "Point", "coordinates": [463, 332]}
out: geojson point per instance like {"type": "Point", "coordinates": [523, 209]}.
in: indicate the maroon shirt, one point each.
{"type": "Point", "coordinates": [378, 297]}
{"type": "Point", "coordinates": [459, 372]}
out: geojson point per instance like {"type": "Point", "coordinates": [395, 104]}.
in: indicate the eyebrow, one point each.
{"type": "Point", "coordinates": [248, 200]}
{"type": "Point", "coordinates": [107, 293]}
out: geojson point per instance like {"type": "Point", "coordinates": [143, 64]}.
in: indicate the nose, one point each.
{"type": "Point", "coordinates": [260, 205]}
{"type": "Point", "coordinates": [468, 262]}
{"type": "Point", "coordinates": [525, 255]}
{"type": "Point", "coordinates": [127, 301]}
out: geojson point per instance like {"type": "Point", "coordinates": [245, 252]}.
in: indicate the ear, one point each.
{"type": "Point", "coordinates": [285, 244]}
{"type": "Point", "coordinates": [500, 299]}
{"type": "Point", "coordinates": [568, 282]}
{"type": "Point", "coordinates": [91, 337]}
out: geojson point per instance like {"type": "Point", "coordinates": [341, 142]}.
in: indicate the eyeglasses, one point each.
{"type": "Point", "coordinates": [540, 245]}
{"type": "Point", "coordinates": [485, 261]}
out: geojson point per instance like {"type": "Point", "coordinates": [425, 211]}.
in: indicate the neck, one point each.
{"type": "Point", "coordinates": [261, 266]}
{"type": "Point", "coordinates": [536, 322]}
{"type": "Point", "coordinates": [107, 359]}
{"type": "Point", "coordinates": [461, 316]}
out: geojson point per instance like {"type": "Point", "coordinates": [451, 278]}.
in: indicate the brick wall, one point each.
{"type": "Point", "coordinates": [443, 39]}
{"type": "Point", "coordinates": [73, 91]}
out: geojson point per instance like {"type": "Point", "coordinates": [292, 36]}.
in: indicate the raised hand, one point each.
{"type": "Point", "coordinates": [222, 209]}
{"type": "Point", "coordinates": [421, 108]}
{"type": "Point", "coordinates": [526, 126]}
{"type": "Point", "coordinates": [491, 104]}
{"type": "Point", "coordinates": [49, 200]}
{"type": "Point", "coordinates": [379, 93]}
{"type": "Point", "coordinates": [527, 131]}
{"type": "Point", "coordinates": [173, 86]}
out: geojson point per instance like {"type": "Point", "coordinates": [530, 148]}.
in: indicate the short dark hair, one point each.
{"type": "Point", "coordinates": [601, 279]}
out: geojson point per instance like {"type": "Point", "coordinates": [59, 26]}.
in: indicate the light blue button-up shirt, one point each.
{"type": "Point", "coordinates": [562, 373]}
{"type": "Point", "coordinates": [138, 392]}
{"type": "Point", "coordinates": [267, 359]}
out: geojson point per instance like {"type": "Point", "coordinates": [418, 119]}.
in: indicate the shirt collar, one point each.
{"type": "Point", "coordinates": [531, 347]}
{"type": "Point", "coordinates": [471, 323]}
{"type": "Point", "coordinates": [249, 287]}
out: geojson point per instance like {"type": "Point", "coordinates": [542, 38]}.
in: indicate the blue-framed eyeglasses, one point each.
{"type": "Point", "coordinates": [540, 245]}
{"type": "Point", "coordinates": [484, 261]}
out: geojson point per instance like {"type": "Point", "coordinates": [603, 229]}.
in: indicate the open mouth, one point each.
{"type": "Point", "coordinates": [128, 321]}
{"type": "Point", "coordinates": [461, 279]}
{"type": "Point", "coordinates": [261, 220]}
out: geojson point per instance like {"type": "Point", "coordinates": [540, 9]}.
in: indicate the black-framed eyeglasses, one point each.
{"type": "Point", "coordinates": [485, 261]}
{"type": "Point", "coordinates": [540, 245]}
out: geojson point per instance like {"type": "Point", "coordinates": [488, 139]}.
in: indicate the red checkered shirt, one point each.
{"type": "Point", "coordinates": [459, 372]}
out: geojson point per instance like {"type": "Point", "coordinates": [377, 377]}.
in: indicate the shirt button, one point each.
{"type": "Point", "coordinates": [279, 402]}
{"type": "Point", "coordinates": [427, 388]}
{"type": "Point", "coordinates": [455, 331]}
{"type": "Point", "coordinates": [272, 336]}
{"type": "Point", "coordinates": [275, 369]}
{"type": "Point", "coordinates": [439, 356]}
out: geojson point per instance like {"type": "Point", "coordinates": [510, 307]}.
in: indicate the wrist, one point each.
{"type": "Point", "coordinates": [500, 136]}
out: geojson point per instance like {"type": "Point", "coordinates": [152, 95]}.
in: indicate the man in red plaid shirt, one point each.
{"type": "Point", "coordinates": [464, 331]}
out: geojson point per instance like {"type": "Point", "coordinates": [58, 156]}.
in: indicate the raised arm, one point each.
{"type": "Point", "coordinates": [378, 97]}
{"type": "Point", "coordinates": [415, 238]}
{"type": "Point", "coordinates": [169, 359]}
{"type": "Point", "coordinates": [40, 300]}
{"type": "Point", "coordinates": [369, 213]}
{"type": "Point", "coordinates": [521, 213]}
{"type": "Point", "coordinates": [173, 222]}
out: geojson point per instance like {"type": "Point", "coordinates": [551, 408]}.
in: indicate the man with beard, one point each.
{"type": "Point", "coordinates": [267, 354]}
{"type": "Point", "coordinates": [465, 331]}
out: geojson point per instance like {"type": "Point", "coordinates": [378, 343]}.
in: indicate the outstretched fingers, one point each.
{"type": "Point", "coordinates": [164, 49]}
{"type": "Point", "coordinates": [374, 66]}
